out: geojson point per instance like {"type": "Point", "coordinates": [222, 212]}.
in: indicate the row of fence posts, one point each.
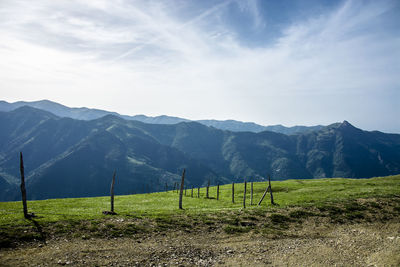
{"type": "Point", "coordinates": [269, 188]}
{"type": "Point", "coordinates": [182, 188]}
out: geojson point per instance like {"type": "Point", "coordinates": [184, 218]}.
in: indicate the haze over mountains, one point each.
{"type": "Point", "coordinates": [66, 157]}
{"type": "Point", "coordinates": [90, 114]}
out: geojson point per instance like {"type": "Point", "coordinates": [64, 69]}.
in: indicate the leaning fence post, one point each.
{"type": "Point", "coordinates": [263, 196]}
{"type": "Point", "coordinates": [217, 191]}
{"type": "Point", "coordinates": [233, 193]}
{"type": "Point", "coordinates": [181, 191]}
{"type": "Point", "coordinates": [244, 194]}
{"type": "Point", "coordinates": [251, 194]}
{"type": "Point", "coordinates": [23, 190]}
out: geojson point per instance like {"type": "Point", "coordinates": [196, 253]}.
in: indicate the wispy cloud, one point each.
{"type": "Point", "coordinates": [151, 57]}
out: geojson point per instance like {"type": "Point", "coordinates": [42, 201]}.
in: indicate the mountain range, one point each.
{"type": "Point", "coordinates": [91, 114]}
{"type": "Point", "coordinates": [67, 157]}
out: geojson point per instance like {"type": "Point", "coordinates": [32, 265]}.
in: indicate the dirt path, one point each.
{"type": "Point", "coordinates": [374, 244]}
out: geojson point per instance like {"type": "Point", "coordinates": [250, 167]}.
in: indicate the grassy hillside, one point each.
{"type": "Point", "coordinates": [286, 193]}
{"type": "Point", "coordinates": [337, 199]}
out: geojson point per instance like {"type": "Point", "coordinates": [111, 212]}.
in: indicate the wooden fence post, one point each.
{"type": "Point", "coordinates": [181, 191]}
{"type": "Point", "coordinates": [270, 190]}
{"type": "Point", "coordinates": [208, 186]}
{"type": "Point", "coordinates": [23, 190]}
{"type": "Point", "coordinates": [217, 191]}
{"type": "Point", "coordinates": [198, 192]}
{"type": "Point", "coordinates": [107, 212]}
{"type": "Point", "coordinates": [191, 195]}
{"type": "Point", "coordinates": [244, 194]}
{"type": "Point", "coordinates": [269, 187]}
{"type": "Point", "coordinates": [233, 193]}
{"type": "Point", "coordinates": [112, 192]}
{"type": "Point", "coordinates": [251, 194]}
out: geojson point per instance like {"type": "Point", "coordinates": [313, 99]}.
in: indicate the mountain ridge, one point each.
{"type": "Point", "coordinates": [84, 113]}
{"type": "Point", "coordinates": [65, 157]}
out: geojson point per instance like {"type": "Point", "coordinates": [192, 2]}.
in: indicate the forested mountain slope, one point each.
{"type": "Point", "coordinates": [73, 158]}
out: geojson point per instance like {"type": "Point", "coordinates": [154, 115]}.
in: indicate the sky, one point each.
{"type": "Point", "coordinates": [290, 62]}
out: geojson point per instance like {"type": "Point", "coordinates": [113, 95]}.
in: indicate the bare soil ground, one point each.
{"type": "Point", "coordinates": [376, 244]}
{"type": "Point", "coordinates": [313, 240]}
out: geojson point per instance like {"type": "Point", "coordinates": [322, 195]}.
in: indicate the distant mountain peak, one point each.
{"type": "Point", "coordinates": [346, 125]}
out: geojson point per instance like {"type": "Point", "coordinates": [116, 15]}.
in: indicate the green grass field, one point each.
{"type": "Point", "coordinates": [305, 211]}
{"type": "Point", "coordinates": [315, 192]}
{"type": "Point", "coordinates": [333, 200]}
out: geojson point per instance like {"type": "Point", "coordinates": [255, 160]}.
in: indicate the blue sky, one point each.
{"type": "Point", "coordinates": [272, 62]}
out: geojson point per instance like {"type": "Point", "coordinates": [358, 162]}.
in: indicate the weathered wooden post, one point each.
{"type": "Point", "coordinates": [270, 190]}
{"type": "Point", "coordinates": [191, 195]}
{"type": "Point", "coordinates": [107, 212]}
{"type": "Point", "coordinates": [244, 194]}
{"type": "Point", "coordinates": [217, 191]}
{"type": "Point", "coordinates": [208, 186]}
{"type": "Point", "coordinates": [251, 194]}
{"type": "Point", "coordinates": [198, 192]}
{"type": "Point", "coordinates": [233, 193]}
{"type": "Point", "coordinates": [112, 192]}
{"type": "Point", "coordinates": [181, 191]}
{"type": "Point", "coordinates": [269, 187]}
{"type": "Point", "coordinates": [23, 190]}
